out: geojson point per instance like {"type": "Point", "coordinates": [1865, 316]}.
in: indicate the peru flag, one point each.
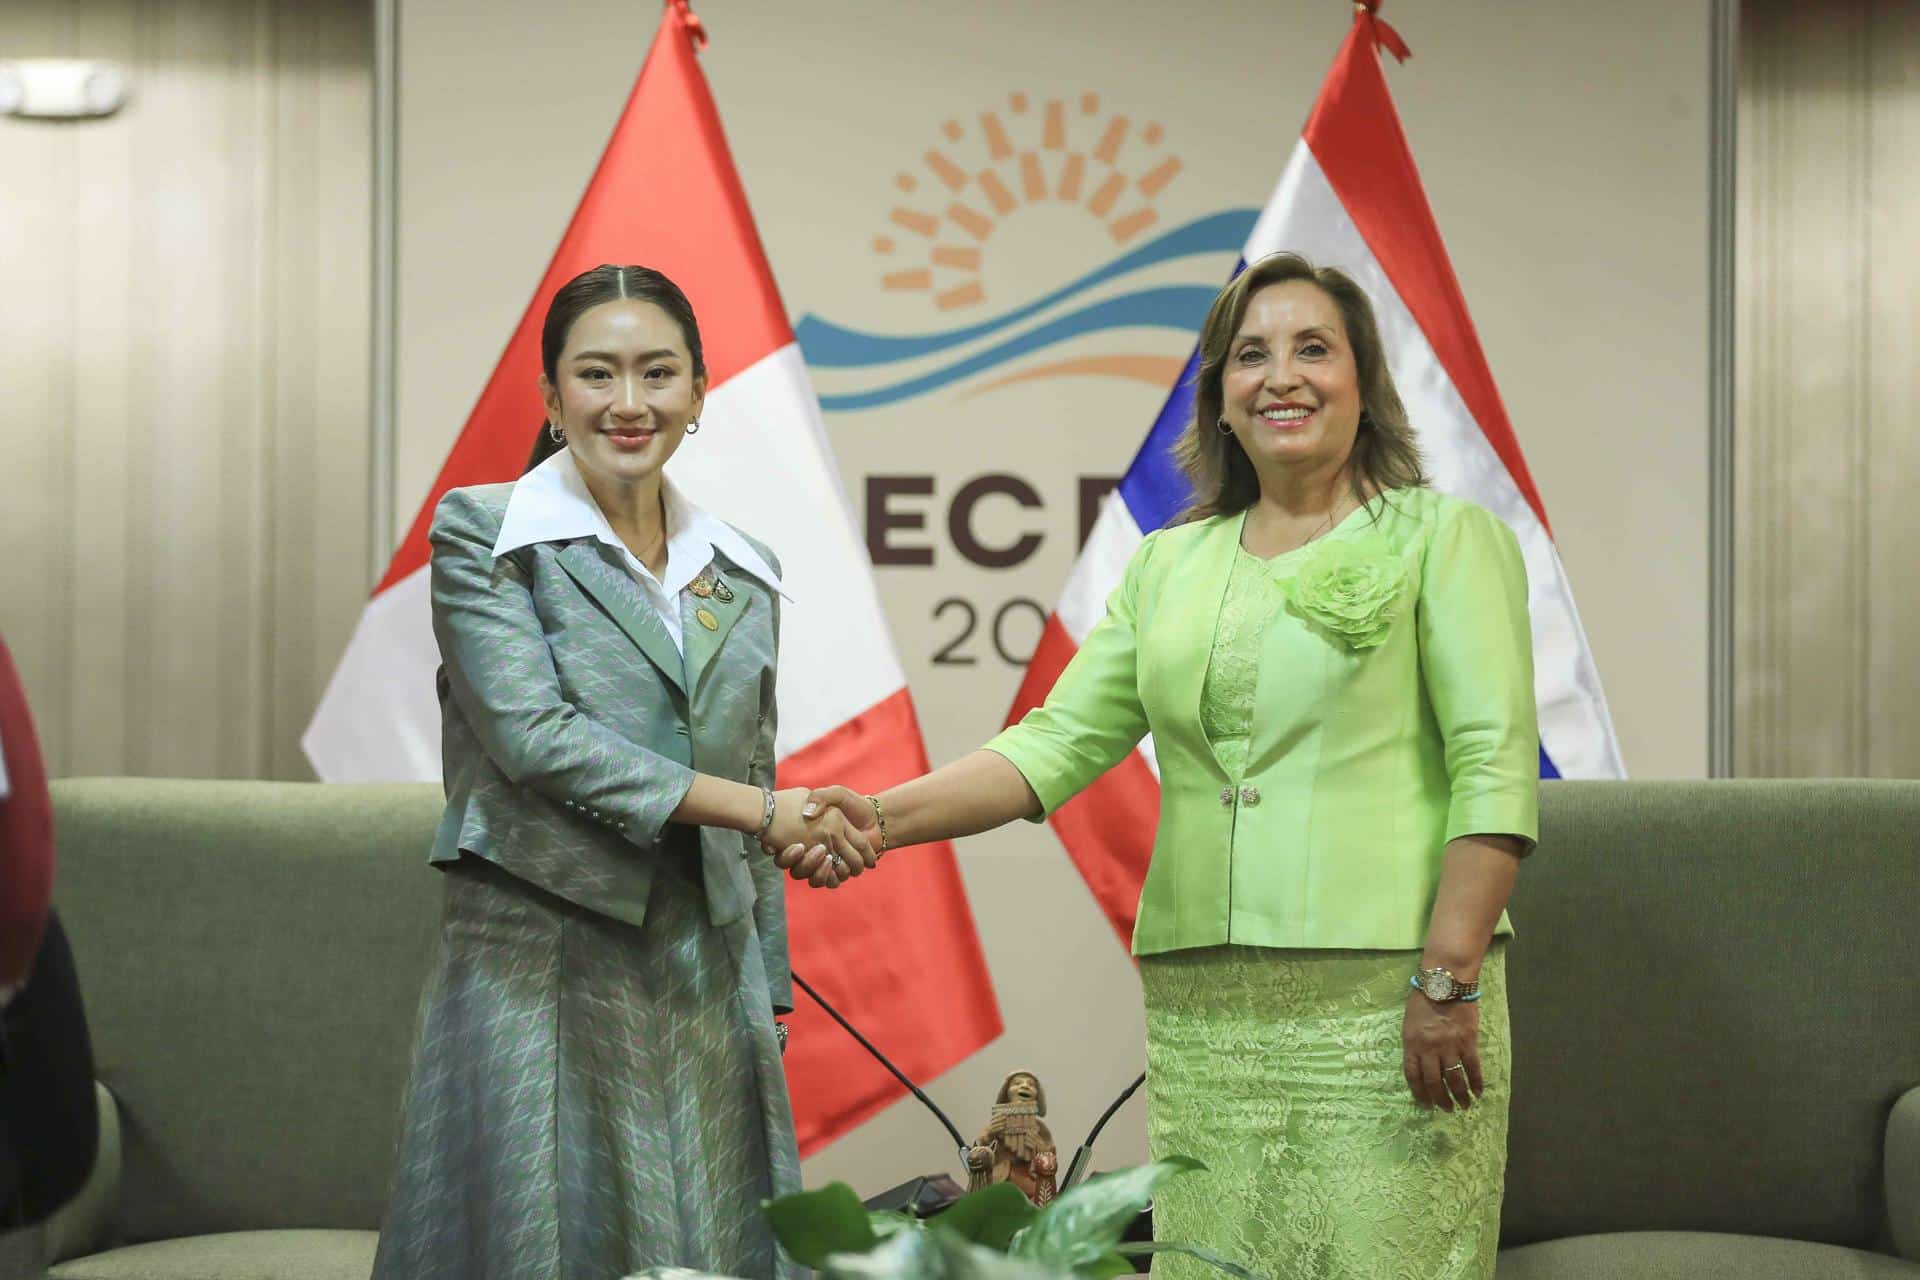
{"type": "Point", "coordinates": [1351, 198]}
{"type": "Point", "coordinates": [666, 195]}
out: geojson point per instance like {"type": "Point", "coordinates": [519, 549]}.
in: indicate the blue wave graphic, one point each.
{"type": "Point", "coordinates": [829, 346]}
{"type": "Point", "coordinates": [1172, 306]}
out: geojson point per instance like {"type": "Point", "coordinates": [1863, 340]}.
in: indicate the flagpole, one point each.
{"type": "Point", "coordinates": [1722, 195]}
{"type": "Point", "coordinates": [383, 330]}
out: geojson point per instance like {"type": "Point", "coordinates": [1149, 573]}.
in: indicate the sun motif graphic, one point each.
{"type": "Point", "coordinates": [953, 212]}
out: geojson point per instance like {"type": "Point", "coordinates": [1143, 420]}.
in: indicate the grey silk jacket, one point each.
{"type": "Point", "coordinates": [572, 727]}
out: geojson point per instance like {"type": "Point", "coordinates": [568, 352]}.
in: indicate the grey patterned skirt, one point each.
{"type": "Point", "coordinates": [589, 1099]}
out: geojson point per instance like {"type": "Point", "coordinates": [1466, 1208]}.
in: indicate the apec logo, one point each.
{"type": "Point", "coordinates": [1031, 240]}
{"type": "Point", "coordinates": [1023, 230]}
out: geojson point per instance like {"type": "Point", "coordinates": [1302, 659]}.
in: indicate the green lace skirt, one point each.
{"type": "Point", "coordinates": [1280, 1070]}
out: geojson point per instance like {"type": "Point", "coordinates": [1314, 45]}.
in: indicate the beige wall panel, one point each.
{"type": "Point", "coordinates": [193, 374]}
{"type": "Point", "coordinates": [1893, 446]}
{"type": "Point", "coordinates": [36, 246]}
{"type": "Point", "coordinates": [1827, 657]}
{"type": "Point", "coordinates": [1565, 155]}
{"type": "Point", "coordinates": [110, 268]}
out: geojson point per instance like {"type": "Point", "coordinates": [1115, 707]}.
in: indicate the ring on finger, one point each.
{"type": "Point", "coordinates": [1458, 1066]}
{"type": "Point", "coordinates": [839, 863]}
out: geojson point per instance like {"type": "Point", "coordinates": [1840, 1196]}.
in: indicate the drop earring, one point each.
{"type": "Point", "coordinates": [555, 434]}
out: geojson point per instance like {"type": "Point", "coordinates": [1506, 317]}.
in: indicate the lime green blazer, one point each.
{"type": "Point", "coordinates": [1394, 712]}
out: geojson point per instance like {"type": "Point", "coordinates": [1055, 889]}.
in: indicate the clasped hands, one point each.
{"type": "Point", "coordinates": [824, 836]}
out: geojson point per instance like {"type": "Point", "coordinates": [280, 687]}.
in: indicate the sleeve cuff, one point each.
{"type": "Point", "coordinates": [1488, 816]}
{"type": "Point", "coordinates": [1007, 745]}
{"type": "Point", "coordinates": [655, 818]}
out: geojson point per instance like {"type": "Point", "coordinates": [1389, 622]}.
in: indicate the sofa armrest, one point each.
{"type": "Point", "coordinates": [84, 1224]}
{"type": "Point", "coordinates": [1903, 1174]}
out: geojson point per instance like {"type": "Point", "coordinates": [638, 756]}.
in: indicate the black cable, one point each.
{"type": "Point", "coordinates": [867, 1044]}
{"type": "Point", "coordinates": [1077, 1168]}
{"type": "Point", "coordinates": [1118, 1102]}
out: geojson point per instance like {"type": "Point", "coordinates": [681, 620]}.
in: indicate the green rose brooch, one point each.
{"type": "Point", "coordinates": [1352, 588]}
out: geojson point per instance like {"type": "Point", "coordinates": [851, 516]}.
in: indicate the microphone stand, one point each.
{"type": "Point", "coordinates": [959, 1142]}
{"type": "Point", "coordinates": [1081, 1158]}
{"type": "Point", "coordinates": [1078, 1169]}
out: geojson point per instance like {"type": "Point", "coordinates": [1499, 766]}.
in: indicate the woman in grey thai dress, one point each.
{"type": "Point", "coordinates": [597, 1085]}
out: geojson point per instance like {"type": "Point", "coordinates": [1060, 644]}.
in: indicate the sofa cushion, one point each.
{"type": "Point", "coordinates": [252, 956]}
{"type": "Point", "coordinates": [1694, 1255]}
{"type": "Point", "coordinates": [84, 1224]}
{"type": "Point", "coordinates": [1713, 1008]}
{"type": "Point", "coordinates": [234, 1255]}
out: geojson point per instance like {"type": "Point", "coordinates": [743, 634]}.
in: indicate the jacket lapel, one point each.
{"type": "Point", "coordinates": [704, 643]}
{"type": "Point", "coordinates": [618, 594]}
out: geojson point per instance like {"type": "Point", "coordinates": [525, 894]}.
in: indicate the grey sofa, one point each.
{"type": "Point", "coordinates": [1716, 1012]}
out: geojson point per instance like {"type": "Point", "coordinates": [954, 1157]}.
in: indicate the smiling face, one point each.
{"type": "Point", "coordinates": [1023, 1088]}
{"type": "Point", "coordinates": [623, 390]}
{"type": "Point", "coordinates": [1290, 388]}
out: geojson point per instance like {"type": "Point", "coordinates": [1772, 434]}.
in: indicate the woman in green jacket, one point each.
{"type": "Point", "coordinates": [1335, 664]}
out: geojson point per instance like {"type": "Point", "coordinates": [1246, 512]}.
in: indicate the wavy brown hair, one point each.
{"type": "Point", "coordinates": [1384, 455]}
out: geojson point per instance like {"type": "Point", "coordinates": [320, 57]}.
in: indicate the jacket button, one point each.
{"type": "Point", "coordinates": [1250, 796]}
{"type": "Point", "coordinates": [1226, 797]}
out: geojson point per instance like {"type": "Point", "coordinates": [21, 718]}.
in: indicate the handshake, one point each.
{"type": "Point", "coordinates": [824, 835]}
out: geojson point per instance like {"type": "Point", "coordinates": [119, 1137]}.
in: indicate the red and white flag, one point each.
{"type": "Point", "coordinates": [898, 952]}
{"type": "Point", "coordinates": [1350, 198]}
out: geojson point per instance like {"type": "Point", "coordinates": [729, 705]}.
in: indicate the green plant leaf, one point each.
{"type": "Point", "coordinates": [1088, 1221]}
{"type": "Point", "coordinates": [814, 1224]}
{"type": "Point", "coordinates": [988, 1217]}
{"type": "Point", "coordinates": [1106, 1267]}
{"type": "Point", "coordinates": [888, 1223]}
{"type": "Point", "coordinates": [1133, 1249]}
{"type": "Point", "coordinates": [936, 1255]}
{"type": "Point", "coordinates": [904, 1257]}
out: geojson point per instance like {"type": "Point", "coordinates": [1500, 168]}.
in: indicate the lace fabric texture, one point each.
{"type": "Point", "coordinates": [1280, 1070]}
{"type": "Point", "coordinates": [1252, 600]}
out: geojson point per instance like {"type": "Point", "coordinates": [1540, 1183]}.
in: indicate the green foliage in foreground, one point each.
{"type": "Point", "coordinates": [993, 1234]}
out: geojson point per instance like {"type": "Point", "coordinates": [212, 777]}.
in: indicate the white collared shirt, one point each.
{"type": "Point", "coordinates": [552, 502]}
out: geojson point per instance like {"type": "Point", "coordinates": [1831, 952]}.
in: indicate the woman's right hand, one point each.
{"type": "Point", "coordinates": [831, 848]}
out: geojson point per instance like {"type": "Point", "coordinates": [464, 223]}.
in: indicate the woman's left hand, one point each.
{"type": "Point", "coordinates": [1440, 1045]}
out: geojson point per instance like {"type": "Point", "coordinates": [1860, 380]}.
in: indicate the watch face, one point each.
{"type": "Point", "coordinates": [1436, 984]}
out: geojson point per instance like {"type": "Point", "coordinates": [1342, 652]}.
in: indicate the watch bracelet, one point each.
{"type": "Point", "coordinates": [1463, 992]}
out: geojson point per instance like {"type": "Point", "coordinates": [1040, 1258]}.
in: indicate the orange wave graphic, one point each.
{"type": "Point", "coordinates": [1158, 370]}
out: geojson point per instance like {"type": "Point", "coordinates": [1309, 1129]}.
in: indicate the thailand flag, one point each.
{"type": "Point", "coordinates": [1350, 198]}
{"type": "Point", "coordinates": [903, 960]}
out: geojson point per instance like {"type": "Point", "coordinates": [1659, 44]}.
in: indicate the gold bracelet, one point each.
{"type": "Point", "coordinates": [880, 816]}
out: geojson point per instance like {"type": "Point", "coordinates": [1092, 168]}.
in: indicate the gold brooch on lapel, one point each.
{"type": "Point", "coordinates": [707, 619]}
{"type": "Point", "coordinates": [709, 584]}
